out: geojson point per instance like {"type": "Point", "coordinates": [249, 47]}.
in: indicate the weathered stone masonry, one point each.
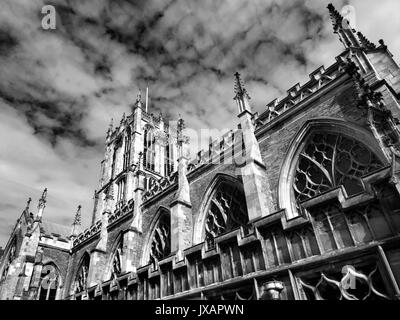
{"type": "Point", "coordinates": [299, 202]}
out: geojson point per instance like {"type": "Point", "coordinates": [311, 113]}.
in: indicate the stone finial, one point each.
{"type": "Point", "coordinates": [42, 200]}
{"type": "Point", "coordinates": [336, 17]}
{"type": "Point", "coordinates": [78, 217]}
{"type": "Point", "coordinates": [239, 88]}
{"type": "Point", "coordinates": [28, 203]}
{"type": "Point", "coordinates": [123, 118]}
{"type": "Point", "coordinates": [139, 97]}
{"type": "Point", "coordinates": [110, 127]}
{"type": "Point", "coordinates": [181, 139]}
{"type": "Point", "coordinates": [241, 96]}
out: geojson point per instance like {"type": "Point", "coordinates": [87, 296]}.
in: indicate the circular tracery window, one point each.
{"type": "Point", "coordinates": [329, 160]}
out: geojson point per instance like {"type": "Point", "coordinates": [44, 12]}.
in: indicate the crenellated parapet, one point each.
{"type": "Point", "coordinates": [319, 78]}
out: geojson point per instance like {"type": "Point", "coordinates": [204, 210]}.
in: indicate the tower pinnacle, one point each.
{"type": "Point", "coordinates": [241, 96]}
{"type": "Point", "coordinates": [42, 204]}
{"type": "Point", "coordinates": [342, 27]}
{"type": "Point", "coordinates": [78, 217]}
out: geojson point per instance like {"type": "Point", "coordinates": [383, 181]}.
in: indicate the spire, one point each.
{"type": "Point", "coordinates": [78, 216]}
{"type": "Point", "coordinates": [342, 27]}
{"type": "Point", "coordinates": [241, 96]}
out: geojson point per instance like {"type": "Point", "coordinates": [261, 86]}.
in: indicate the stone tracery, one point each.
{"type": "Point", "coordinates": [329, 160]}
{"type": "Point", "coordinates": [226, 211]}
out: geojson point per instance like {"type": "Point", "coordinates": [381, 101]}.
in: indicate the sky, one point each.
{"type": "Point", "coordinates": [60, 88]}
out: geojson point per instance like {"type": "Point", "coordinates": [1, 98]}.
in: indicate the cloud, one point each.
{"type": "Point", "coordinates": [60, 88]}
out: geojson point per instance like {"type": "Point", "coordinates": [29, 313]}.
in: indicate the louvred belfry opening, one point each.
{"type": "Point", "coordinates": [226, 211]}
{"type": "Point", "coordinates": [330, 160]}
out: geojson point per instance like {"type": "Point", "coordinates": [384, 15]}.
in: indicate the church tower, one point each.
{"type": "Point", "coordinates": [141, 141]}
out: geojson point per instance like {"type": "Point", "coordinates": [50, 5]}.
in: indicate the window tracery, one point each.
{"type": "Point", "coordinates": [329, 160]}
{"type": "Point", "coordinates": [351, 284]}
{"type": "Point", "coordinates": [227, 210]}
{"type": "Point", "coordinates": [161, 240]}
{"type": "Point", "coordinates": [117, 261]}
{"type": "Point", "coordinates": [49, 283]}
{"type": "Point", "coordinates": [82, 275]}
{"type": "Point", "coordinates": [149, 149]}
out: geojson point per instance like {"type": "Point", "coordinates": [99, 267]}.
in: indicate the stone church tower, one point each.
{"type": "Point", "coordinates": [299, 202]}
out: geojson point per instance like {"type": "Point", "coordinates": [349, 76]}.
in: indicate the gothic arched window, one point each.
{"type": "Point", "coordinates": [127, 149]}
{"type": "Point", "coordinates": [226, 210]}
{"type": "Point", "coordinates": [329, 160]}
{"type": "Point", "coordinates": [49, 283]}
{"type": "Point", "coordinates": [160, 246]}
{"type": "Point", "coordinates": [168, 160]}
{"type": "Point", "coordinates": [149, 149]}
{"type": "Point", "coordinates": [116, 264]}
{"type": "Point", "coordinates": [82, 275]}
{"type": "Point", "coordinates": [12, 254]}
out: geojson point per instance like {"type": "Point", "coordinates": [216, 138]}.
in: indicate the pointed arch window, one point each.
{"type": "Point", "coordinates": [82, 275]}
{"type": "Point", "coordinates": [149, 149]}
{"type": "Point", "coordinates": [116, 264]}
{"type": "Point", "coordinates": [49, 282]}
{"type": "Point", "coordinates": [168, 160]}
{"type": "Point", "coordinates": [12, 254]}
{"type": "Point", "coordinates": [226, 211]}
{"type": "Point", "coordinates": [160, 246]}
{"type": "Point", "coordinates": [329, 160]}
{"type": "Point", "coordinates": [127, 149]}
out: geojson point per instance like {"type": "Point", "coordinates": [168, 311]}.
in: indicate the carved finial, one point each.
{"type": "Point", "coordinates": [78, 216]}
{"type": "Point", "coordinates": [365, 42]}
{"type": "Point", "coordinates": [241, 96]}
{"type": "Point", "coordinates": [139, 97]}
{"type": "Point", "coordinates": [123, 118]}
{"type": "Point", "coordinates": [343, 28]}
{"type": "Point", "coordinates": [110, 127]}
{"type": "Point", "coordinates": [240, 90]}
{"type": "Point", "coordinates": [336, 17]}
{"type": "Point", "coordinates": [28, 203]}
{"type": "Point", "coordinates": [42, 200]}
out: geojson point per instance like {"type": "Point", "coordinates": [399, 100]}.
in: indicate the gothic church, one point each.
{"type": "Point", "coordinates": [301, 202]}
